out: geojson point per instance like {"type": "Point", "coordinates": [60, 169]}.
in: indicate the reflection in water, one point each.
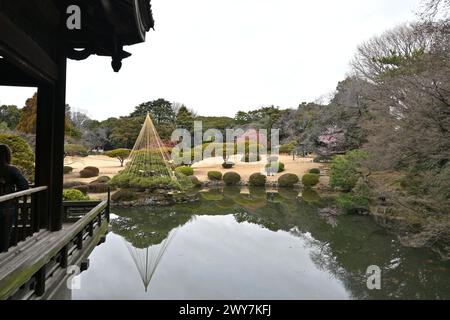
{"type": "Point", "coordinates": [147, 260]}
{"type": "Point", "coordinates": [254, 244]}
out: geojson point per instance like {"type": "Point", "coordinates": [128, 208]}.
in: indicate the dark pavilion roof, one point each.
{"type": "Point", "coordinates": [107, 26]}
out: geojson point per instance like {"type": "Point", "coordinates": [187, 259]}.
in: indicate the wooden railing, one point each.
{"type": "Point", "coordinates": [36, 268]}
{"type": "Point", "coordinates": [26, 218]}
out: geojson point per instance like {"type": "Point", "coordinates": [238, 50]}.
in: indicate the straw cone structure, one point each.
{"type": "Point", "coordinates": [149, 157]}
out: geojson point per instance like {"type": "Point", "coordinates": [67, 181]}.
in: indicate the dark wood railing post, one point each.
{"type": "Point", "coordinates": [40, 279]}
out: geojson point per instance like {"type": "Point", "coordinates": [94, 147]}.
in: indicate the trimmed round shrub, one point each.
{"type": "Point", "coordinates": [288, 180]}
{"type": "Point", "coordinates": [89, 172]}
{"type": "Point", "coordinates": [74, 195]}
{"type": "Point", "coordinates": [124, 195]}
{"type": "Point", "coordinates": [68, 169]}
{"type": "Point", "coordinates": [195, 181]}
{"type": "Point", "coordinates": [187, 171]}
{"type": "Point", "coordinates": [215, 175]}
{"type": "Point", "coordinates": [231, 178]}
{"type": "Point", "coordinates": [102, 179]}
{"type": "Point", "coordinates": [228, 165]}
{"type": "Point", "coordinates": [257, 180]}
{"type": "Point", "coordinates": [314, 171]}
{"type": "Point", "coordinates": [275, 167]}
{"type": "Point", "coordinates": [310, 180]}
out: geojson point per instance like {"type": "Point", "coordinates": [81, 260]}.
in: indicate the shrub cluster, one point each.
{"type": "Point", "coordinates": [125, 180]}
{"type": "Point", "coordinates": [22, 155]}
{"type": "Point", "coordinates": [73, 195]}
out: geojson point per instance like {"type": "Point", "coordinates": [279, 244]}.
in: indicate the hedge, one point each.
{"type": "Point", "coordinates": [22, 155]}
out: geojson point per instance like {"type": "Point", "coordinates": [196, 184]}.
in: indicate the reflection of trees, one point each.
{"type": "Point", "coordinates": [346, 250]}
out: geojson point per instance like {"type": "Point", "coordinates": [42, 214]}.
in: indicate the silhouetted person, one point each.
{"type": "Point", "coordinates": [11, 180]}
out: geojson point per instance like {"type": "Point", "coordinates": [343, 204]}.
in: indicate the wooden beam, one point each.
{"type": "Point", "coordinates": [57, 141]}
{"type": "Point", "coordinates": [10, 75]}
{"type": "Point", "coordinates": [44, 130]}
{"type": "Point", "coordinates": [25, 53]}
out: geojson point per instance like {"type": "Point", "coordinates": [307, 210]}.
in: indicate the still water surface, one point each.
{"type": "Point", "coordinates": [258, 245]}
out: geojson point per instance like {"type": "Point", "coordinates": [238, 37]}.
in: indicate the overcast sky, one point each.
{"type": "Point", "coordinates": [222, 56]}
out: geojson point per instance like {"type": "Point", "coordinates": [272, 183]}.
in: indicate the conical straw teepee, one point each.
{"type": "Point", "coordinates": [149, 157]}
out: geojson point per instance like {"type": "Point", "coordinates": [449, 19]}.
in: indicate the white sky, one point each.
{"type": "Point", "coordinates": [222, 56]}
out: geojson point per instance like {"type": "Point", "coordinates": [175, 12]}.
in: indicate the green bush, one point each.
{"type": "Point", "coordinates": [187, 171]}
{"type": "Point", "coordinates": [22, 155]}
{"type": "Point", "coordinates": [275, 167]}
{"type": "Point", "coordinates": [75, 150]}
{"type": "Point", "coordinates": [288, 180]}
{"type": "Point", "coordinates": [102, 179]}
{"type": "Point", "coordinates": [231, 178]}
{"type": "Point", "coordinates": [215, 175]}
{"type": "Point", "coordinates": [257, 180]}
{"type": "Point", "coordinates": [89, 172]}
{"type": "Point", "coordinates": [310, 180]}
{"type": "Point", "coordinates": [68, 169]}
{"type": "Point", "coordinates": [345, 170]}
{"type": "Point", "coordinates": [127, 181]}
{"type": "Point", "coordinates": [73, 195]}
{"type": "Point", "coordinates": [314, 171]}
{"type": "Point", "coordinates": [124, 195]}
{"type": "Point", "coordinates": [356, 201]}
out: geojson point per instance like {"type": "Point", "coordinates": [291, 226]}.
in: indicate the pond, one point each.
{"type": "Point", "coordinates": [236, 244]}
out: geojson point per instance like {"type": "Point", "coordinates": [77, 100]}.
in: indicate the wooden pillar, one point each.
{"type": "Point", "coordinates": [44, 129]}
{"type": "Point", "coordinates": [57, 141]}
